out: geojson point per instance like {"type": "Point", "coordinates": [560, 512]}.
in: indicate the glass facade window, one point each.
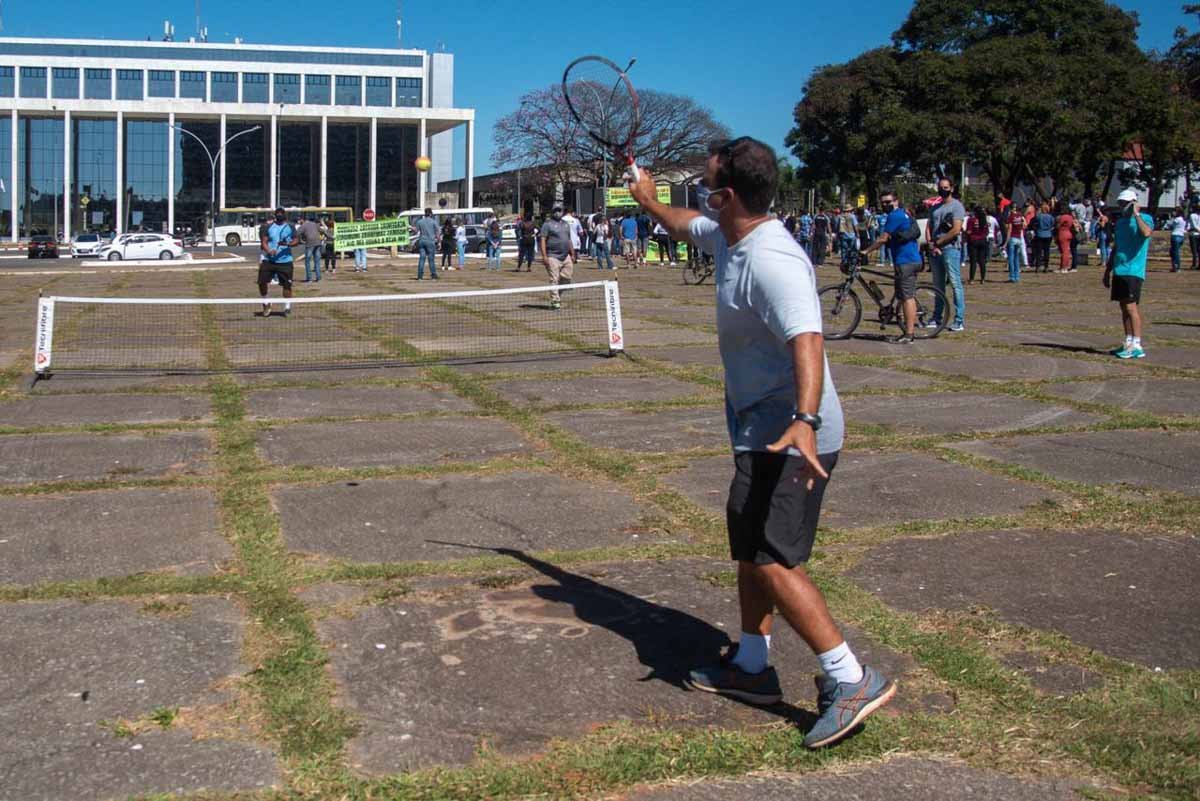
{"type": "Point", "coordinates": [33, 81]}
{"type": "Point", "coordinates": [7, 82]}
{"type": "Point", "coordinates": [40, 169]}
{"type": "Point", "coordinates": [224, 87]}
{"type": "Point", "coordinates": [247, 167]}
{"type": "Point", "coordinates": [316, 89]}
{"type": "Point", "coordinates": [255, 88]}
{"type": "Point", "coordinates": [379, 91]}
{"type": "Point", "coordinates": [65, 83]}
{"type": "Point", "coordinates": [146, 143]}
{"type": "Point", "coordinates": [300, 164]}
{"type": "Point", "coordinates": [193, 175]}
{"type": "Point", "coordinates": [408, 92]}
{"type": "Point", "coordinates": [287, 88]}
{"type": "Point", "coordinates": [395, 175]}
{"type": "Point", "coordinates": [161, 83]}
{"type": "Point", "coordinates": [349, 90]}
{"type": "Point", "coordinates": [129, 85]}
{"type": "Point", "coordinates": [93, 175]}
{"type": "Point", "coordinates": [348, 165]}
{"type": "Point", "coordinates": [97, 84]}
{"type": "Point", "coordinates": [199, 52]}
{"type": "Point", "coordinates": [192, 85]}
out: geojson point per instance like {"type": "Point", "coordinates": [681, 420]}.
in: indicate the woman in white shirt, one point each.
{"type": "Point", "coordinates": [1178, 226]}
{"type": "Point", "coordinates": [460, 239]}
{"type": "Point", "coordinates": [995, 238]}
{"type": "Point", "coordinates": [663, 239]}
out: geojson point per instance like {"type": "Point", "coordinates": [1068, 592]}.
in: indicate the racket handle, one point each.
{"type": "Point", "coordinates": [632, 174]}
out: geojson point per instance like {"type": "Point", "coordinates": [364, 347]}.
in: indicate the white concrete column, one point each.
{"type": "Point", "coordinates": [16, 82]}
{"type": "Point", "coordinates": [374, 156]}
{"type": "Point", "coordinates": [422, 151]}
{"type": "Point", "coordinates": [470, 165]}
{"type": "Point", "coordinates": [119, 223]}
{"type": "Point", "coordinates": [324, 160]}
{"type": "Point", "coordinates": [112, 80]}
{"type": "Point", "coordinates": [274, 165]}
{"type": "Point", "coordinates": [66, 199]}
{"type": "Point", "coordinates": [171, 171]}
{"type": "Point", "coordinates": [145, 84]}
{"type": "Point", "coordinates": [224, 157]}
{"type": "Point", "coordinates": [14, 186]}
{"type": "Point", "coordinates": [208, 89]}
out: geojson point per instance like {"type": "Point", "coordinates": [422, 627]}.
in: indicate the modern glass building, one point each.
{"type": "Point", "coordinates": [92, 131]}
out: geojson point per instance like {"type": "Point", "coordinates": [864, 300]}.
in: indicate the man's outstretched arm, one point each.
{"type": "Point", "coordinates": [675, 220]}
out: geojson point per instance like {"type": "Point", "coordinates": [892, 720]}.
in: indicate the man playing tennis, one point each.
{"type": "Point", "coordinates": [785, 424]}
{"type": "Point", "coordinates": [275, 260]}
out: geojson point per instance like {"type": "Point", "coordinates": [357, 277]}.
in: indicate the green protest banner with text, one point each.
{"type": "Point", "coordinates": [619, 196]}
{"type": "Point", "coordinates": [374, 234]}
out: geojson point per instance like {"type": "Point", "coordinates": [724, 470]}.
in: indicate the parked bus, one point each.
{"type": "Point", "coordinates": [238, 225]}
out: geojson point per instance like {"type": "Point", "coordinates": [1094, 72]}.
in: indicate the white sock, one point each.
{"type": "Point", "coordinates": [287, 304]}
{"type": "Point", "coordinates": [1128, 341]}
{"type": "Point", "coordinates": [752, 653]}
{"type": "Point", "coordinates": [840, 664]}
{"type": "Point", "coordinates": [1136, 341]}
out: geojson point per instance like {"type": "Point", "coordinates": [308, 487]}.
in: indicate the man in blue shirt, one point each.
{"type": "Point", "coordinates": [1043, 233]}
{"type": "Point", "coordinates": [629, 238]}
{"type": "Point", "coordinates": [804, 233]}
{"type": "Point", "coordinates": [906, 260]}
{"type": "Point", "coordinates": [786, 428]}
{"type": "Point", "coordinates": [275, 260]}
{"type": "Point", "coordinates": [1126, 270]}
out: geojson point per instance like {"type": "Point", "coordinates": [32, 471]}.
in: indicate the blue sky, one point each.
{"type": "Point", "coordinates": [746, 63]}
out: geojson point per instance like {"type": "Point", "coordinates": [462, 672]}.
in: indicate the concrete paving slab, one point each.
{"type": "Point", "coordinates": [1151, 459]}
{"type": "Point", "coordinates": [598, 389]}
{"type": "Point", "coordinates": [851, 377]}
{"type": "Point", "coordinates": [1155, 395]}
{"type": "Point", "coordinates": [955, 412]}
{"type": "Point", "coordinates": [351, 401]}
{"type": "Point", "coordinates": [403, 520]}
{"type": "Point", "coordinates": [1182, 358]}
{"type": "Point", "coordinates": [899, 779]}
{"type": "Point", "coordinates": [70, 665]}
{"type": "Point", "coordinates": [685, 355]}
{"type": "Point", "coordinates": [334, 375]}
{"type": "Point", "coordinates": [650, 432]}
{"type": "Point", "coordinates": [1031, 367]}
{"type": "Point", "coordinates": [547, 363]}
{"type": "Point", "coordinates": [668, 336]}
{"type": "Point", "coordinates": [876, 344]}
{"type": "Point", "coordinates": [392, 442]}
{"type": "Point", "coordinates": [76, 410]}
{"type": "Point", "coordinates": [431, 674]}
{"type": "Point", "coordinates": [1131, 597]}
{"type": "Point", "coordinates": [871, 489]}
{"type": "Point", "coordinates": [66, 383]}
{"type": "Point", "coordinates": [28, 458]}
{"type": "Point", "coordinates": [109, 533]}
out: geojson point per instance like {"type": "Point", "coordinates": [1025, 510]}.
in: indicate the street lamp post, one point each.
{"type": "Point", "coordinates": [212, 194]}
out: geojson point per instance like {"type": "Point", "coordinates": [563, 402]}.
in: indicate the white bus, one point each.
{"type": "Point", "coordinates": [235, 226]}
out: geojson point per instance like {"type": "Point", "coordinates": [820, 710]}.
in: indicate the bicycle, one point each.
{"type": "Point", "coordinates": [697, 270]}
{"type": "Point", "coordinates": [841, 308]}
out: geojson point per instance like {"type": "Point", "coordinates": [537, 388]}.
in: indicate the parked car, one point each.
{"type": "Point", "coordinates": [43, 247]}
{"type": "Point", "coordinates": [142, 246]}
{"type": "Point", "coordinates": [476, 240]}
{"type": "Point", "coordinates": [87, 245]}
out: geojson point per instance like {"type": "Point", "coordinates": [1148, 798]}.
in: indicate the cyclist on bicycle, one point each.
{"type": "Point", "coordinates": [902, 243]}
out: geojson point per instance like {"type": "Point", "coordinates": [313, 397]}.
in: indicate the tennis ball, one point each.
{"type": "Point", "coordinates": [424, 163]}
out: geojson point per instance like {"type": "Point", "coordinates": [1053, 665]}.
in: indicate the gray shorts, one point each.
{"type": "Point", "coordinates": [906, 280]}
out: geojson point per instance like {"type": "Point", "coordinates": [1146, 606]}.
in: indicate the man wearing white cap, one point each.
{"type": "Point", "coordinates": [1126, 270]}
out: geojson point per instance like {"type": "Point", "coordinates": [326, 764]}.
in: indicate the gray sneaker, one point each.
{"type": "Point", "coordinates": [726, 678]}
{"type": "Point", "coordinates": [844, 706]}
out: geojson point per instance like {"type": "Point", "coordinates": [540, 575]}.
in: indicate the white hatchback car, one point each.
{"type": "Point", "coordinates": [87, 246]}
{"type": "Point", "coordinates": [142, 246]}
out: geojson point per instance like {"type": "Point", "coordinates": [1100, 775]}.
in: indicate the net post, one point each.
{"type": "Point", "coordinates": [44, 340]}
{"type": "Point", "coordinates": [612, 315]}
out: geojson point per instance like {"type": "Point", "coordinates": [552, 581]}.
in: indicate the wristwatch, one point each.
{"type": "Point", "coordinates": [813, 420]}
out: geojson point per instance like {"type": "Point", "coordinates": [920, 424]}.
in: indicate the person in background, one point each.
{"type": "Point", "coordinates": [663, 240]}
{"type": "Point", "coordinates": [1016, 243]}
{"type": "Point", "coordinates": [601, 234]}
{"type": "Point", "coordinates": [804, 233]}
{"type": "Point", "coordinates": [995, 234]}
{"type": "Point", "coordinates": [494, 245]}
{"type": "Point", "coordinates": [847, 233]}
{"type": "Point", "coordinates": [328, 233]}
{"type": "Point", "coordinates": [1126, 270]}
{"type": "Point", "coordinates": [577, 233]}
{"type": "Point", "coordinates": [643, 236]}
{"type": "Point", "coordinates": [1177, 226]}
{"type": "Point", "coordinates": [427, 233]}
{"type": "Point", "coordinates": [1043, 232]}
{"type": "Point", "coordinates": [885, 254]}
{"type": "Point", "coordinates": [460, 243]}
{"type": "Point", "coordinates": [629, 239]}
{"type": "Point", "coordinates": [310, 240]}
{"type": "Point", "coordinates": [526, 241]}
{"type": "Point", "coordinates": [1064, 233]}
{"type": "Point", "coordinates": [360, 258]}
{"type": "Point", "coordinates": [945, 225]}
{"type": "Point", "coordinates": [1194, 236]}
{"type": "Point", "coordinates": [977, 244]}
{"type": "Point", "coordinates": [558, 252]}
{"type": "Point", "coordinates": [448, 243]}
{"type": "Point", "coordinates": [820, 240]}
{"type": "Point", "coordinates": [1102, 233]}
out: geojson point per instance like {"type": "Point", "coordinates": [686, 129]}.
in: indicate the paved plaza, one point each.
{"type": "Point", "coordinates": [489, 580]}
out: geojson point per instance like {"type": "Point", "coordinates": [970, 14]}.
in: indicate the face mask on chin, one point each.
{"type": "Point", "coordinates": [702, 195]}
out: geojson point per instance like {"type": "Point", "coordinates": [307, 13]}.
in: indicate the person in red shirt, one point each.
{"type": "Point", "coordinates": [977, 243]}
{"type": "Point", "coordinates": [1064, 232]}
{"type": "Point", "coordinates": [1016, 245]}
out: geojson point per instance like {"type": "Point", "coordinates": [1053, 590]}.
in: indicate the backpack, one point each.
{"type": "Point", "coordinates": [910, 234]}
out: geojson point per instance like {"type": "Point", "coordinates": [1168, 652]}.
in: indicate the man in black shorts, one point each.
{"type": "Point", "coordinates": [906, 260]}
{"type": "Point", "coordinates": [275, 262]}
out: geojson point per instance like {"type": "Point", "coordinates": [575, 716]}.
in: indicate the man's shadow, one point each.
{"type": "Point", "coordinates": [667, 641]}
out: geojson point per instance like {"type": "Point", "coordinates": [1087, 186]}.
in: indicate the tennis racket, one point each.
{"type": "Point", "coordinates": [605, 104]}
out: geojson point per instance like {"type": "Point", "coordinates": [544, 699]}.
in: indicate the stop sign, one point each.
{"type": "Point", "coordinates": [368, 214]}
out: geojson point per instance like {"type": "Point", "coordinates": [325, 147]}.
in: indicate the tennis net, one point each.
{"type": "Point", "coordinates": [233, 334]}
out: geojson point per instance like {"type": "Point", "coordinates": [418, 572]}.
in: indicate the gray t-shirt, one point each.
{"type": "Point", "coordinates": [557, 234]}
{"type": "Point", "coordinates": [427, 230]}
{"type": "Point", "coordinates": [944, 214]}
{"type": "Point", "coordinates": [310, 234]}
{"type": "Point", "coordinates": [766, 296]}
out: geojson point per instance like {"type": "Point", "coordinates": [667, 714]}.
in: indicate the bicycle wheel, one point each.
{"type": "Point", "coordinates": [693, 274]}
{"type": "Point", "coordinates": [841, 311]}
{"type": "Point", "coordinates": [928, 298]}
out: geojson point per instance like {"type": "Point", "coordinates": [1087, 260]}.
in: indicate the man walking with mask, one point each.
{"type": "Point", "coordinates": [945, 225]}
{"type": "Point", "coordinates": [785, 425]}
{"type": "Point", "coordinates": [558, 251]}
{"type": "Point", "coordinates": [1126, 270]}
